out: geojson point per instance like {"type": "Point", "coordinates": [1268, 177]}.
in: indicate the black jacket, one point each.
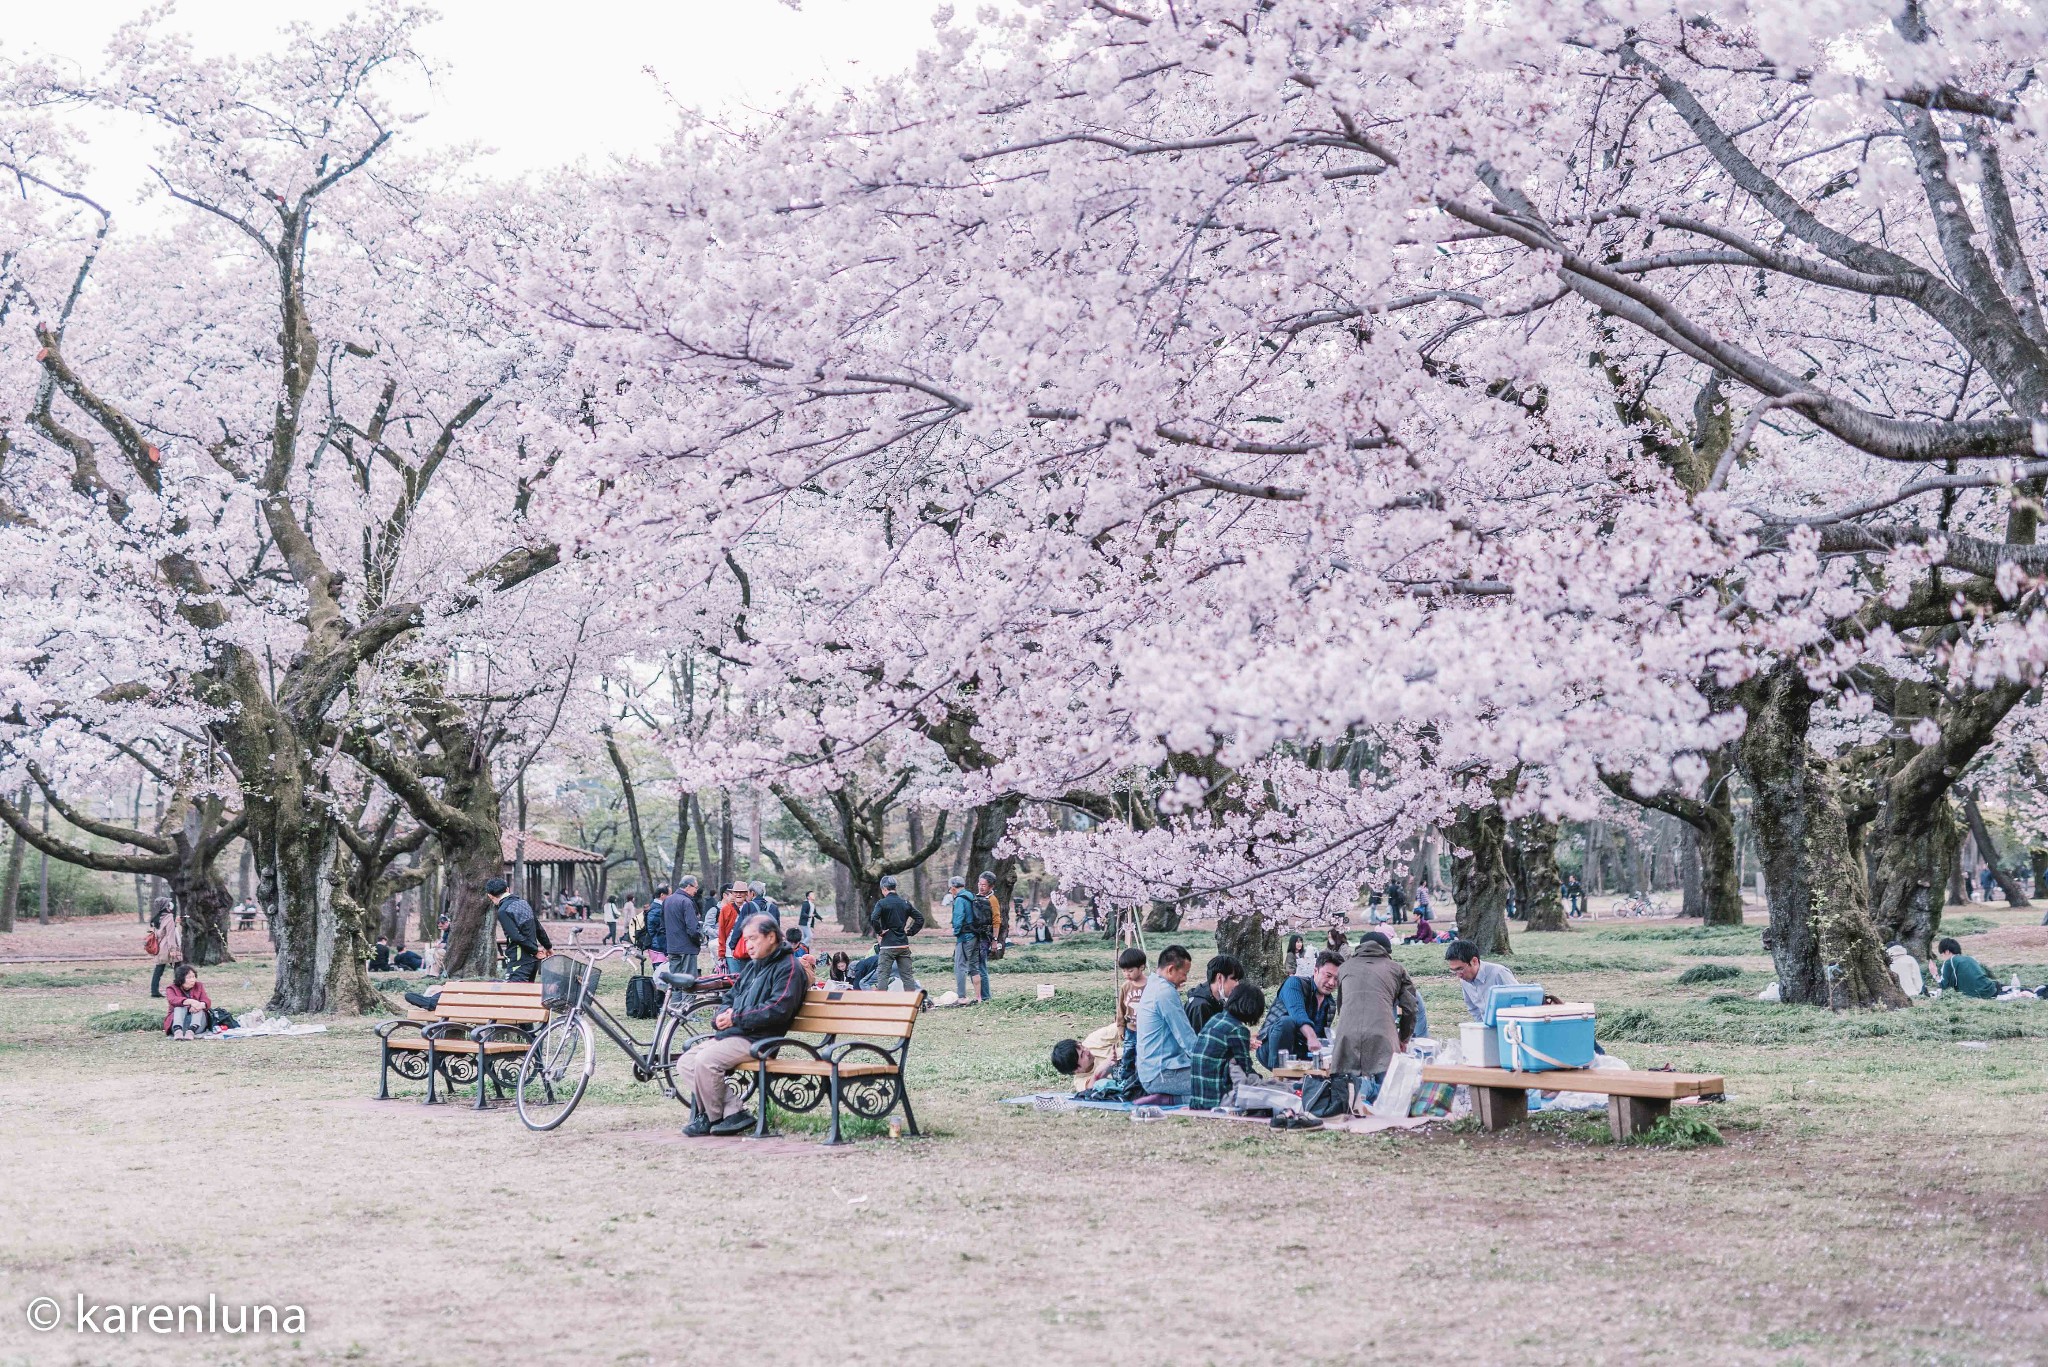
{"type": "Point", "coordinates": [768, 995]}
{"type": "Point", "coordinates": [682, 927]}
{"type": "Point", "coordinates": [523, 930]}
{"type": "Point", "coordinates": [892, 921]}
{"type": "Point", "coordinates": [1202, 1007]}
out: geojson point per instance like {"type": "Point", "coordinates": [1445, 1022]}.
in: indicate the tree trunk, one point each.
{"type": "Point", "coordinates": [1538, 889]}
{"type": "Point", "coordinates": [1692, 891]}
{"type": "Point", "coordinates": [920, 881]}
{"type": "Point", "coordinates": [1162, 916]}
{"type": "Point", "coordinates": [10, 890]}
{"type": "Point", "coordinates": [204, 907]}
{"type": "Point", "coordinates": [632, 801]}
{"type": "Point", "coordinates": [963, 853]}
{"type": "Point", "coordinates": [754, 835]}
{"type": "Point", "coordinates": [682, 846]}
{"type": "Point", "coordinates": [1590, 872]}
{"type": "Point", "coordinates": [727, 868]}
{"type": "Point", "coordinates": [248, 866]}
{"type": "Point", "coordinates": [1479, 879]}
{"type": "Point", "coordinates": [2037, 860]}
{"type": "Point", "coordinates": [1257, 942]}
{"type": "Point", "coordinates": [991, 822]}
{"type": "Point", "coordinates": [1820, 937]}
{"type": "Point", "coordinates": [1958, 881]}
{"type": "Point", "coordinates": [846, 908]}
{"type": "Point", "coordinates": [2007, 884]}
{"type": "Point", "coordinates": [43, 874]}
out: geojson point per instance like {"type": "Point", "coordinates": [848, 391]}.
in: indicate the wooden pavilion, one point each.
{"type": "Point", "coordinates": [550, 870]}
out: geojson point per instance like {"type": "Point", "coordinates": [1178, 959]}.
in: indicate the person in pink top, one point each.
{"type": "Point", "coordinates": [191, 1010]}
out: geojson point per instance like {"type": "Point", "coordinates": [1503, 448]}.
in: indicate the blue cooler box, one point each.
{"type": "Point", "coordinates": [1536, 1039]}
{"type": "Point", "coordinates": [1510, 994]}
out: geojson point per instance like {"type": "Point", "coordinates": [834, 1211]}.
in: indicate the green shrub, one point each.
{"type": "Point", "coordinates": [131, 1018]}
{"type": "Point", "coordinates": [1966, 925]}
{"type": "Point", "coordinates": [1709, 973]}
{"type": "Point", "coordinates": [77, 977]}
{"type": "Point", "coordinates": [1732, 1018]}
{"type": "Point", "coordinates": [1681, 1128]}
{"type": "Point", "coordinates": [1688, 933]}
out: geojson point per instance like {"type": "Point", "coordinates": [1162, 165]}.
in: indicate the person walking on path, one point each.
{"type": "Point", "coordinates": [892, 922]}
{"type": "Point", "coordinates": [682, 926]}
{"type": "Point", "coordinates": [170, 941]}
{"type": "Point", "coordinates": [611, 920]}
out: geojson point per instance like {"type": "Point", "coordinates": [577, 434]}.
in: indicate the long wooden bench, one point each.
{"type": "Point", "coordinates": [1636, 1100]}
{"type": "Point", "coordinates": [865, 1075]}
{"type": "Point", "coordinates": [474, 1025]}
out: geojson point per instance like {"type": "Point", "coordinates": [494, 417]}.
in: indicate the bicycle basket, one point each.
{"type": "Point", "coordinates": [566, 982]}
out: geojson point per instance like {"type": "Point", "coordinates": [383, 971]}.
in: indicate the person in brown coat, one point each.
{"type": "Point", "coordinates": [1376, 1009]}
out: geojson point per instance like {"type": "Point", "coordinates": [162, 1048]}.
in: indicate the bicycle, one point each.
{"type": "Point", "coordinates": [1636, 904]}
{"type": "Point", "coordinates": [556, 1070]}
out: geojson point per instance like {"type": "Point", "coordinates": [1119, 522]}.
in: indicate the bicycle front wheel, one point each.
{"type": "Point", "coordinates": [555, 1072]}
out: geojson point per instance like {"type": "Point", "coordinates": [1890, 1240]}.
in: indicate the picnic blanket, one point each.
{"type": "Point", "coordinates": [1062, 1102]}
{"type": "Point", "coordinates": [276, 1025]}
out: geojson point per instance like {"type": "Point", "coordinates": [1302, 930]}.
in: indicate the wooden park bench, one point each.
{"type": "Point", "coordinates": [864, 1075]}
{"type": "Point", "coordinates": [1636, 1100]}
{"type": "Point", "coordinates": [478, 1026]}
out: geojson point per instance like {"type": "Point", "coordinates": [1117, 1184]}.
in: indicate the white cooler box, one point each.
{"type": "Point", "coordinates": [1479, 1044]}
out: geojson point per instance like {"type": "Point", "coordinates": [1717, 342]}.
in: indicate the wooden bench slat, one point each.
{"type": "Point", "coordinates": [861, 997]}
{"type": "Point", "coordinates": [810, 1067]}
{"type": "Point", "coordinates": [460, 1046]}
{"type": "Point", "coordinates": [839, 1025]}
{"type": "Point", "coordinates": [1604, 1081]}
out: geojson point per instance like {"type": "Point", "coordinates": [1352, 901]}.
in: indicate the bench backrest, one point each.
{"type": "Point", "coordinates": [878, 1015]}
{"type": "Point", "coordinates": [475, 1003]}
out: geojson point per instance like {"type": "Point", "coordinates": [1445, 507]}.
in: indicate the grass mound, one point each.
{"type": "Point", "coordinates": [1730, 1018]}
{"type": "Point", "coordinates": [1691, 934]}
{"type": "Point", "coordinates": [77, 977]}
{"type": "Point", "coordinates": [1966, 925]}
{"type": "Point", "coordinates": [1709, 973]}
{"type": "Point", "coordinates": [131, 1018]}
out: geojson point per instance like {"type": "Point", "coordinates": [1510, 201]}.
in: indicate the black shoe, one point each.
{"type": "Point", "coordinates": [697, 1128]}
{"type": "Point", "coordinates": [738, 1123]}
{"type": "Point", "coordinates": [423, 1001]}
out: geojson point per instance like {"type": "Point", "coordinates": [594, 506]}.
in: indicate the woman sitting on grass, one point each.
{"type": "Point", "coordinates": [191, 1009]}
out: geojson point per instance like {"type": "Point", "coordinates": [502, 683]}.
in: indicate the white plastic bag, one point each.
{"type": "Point", "coordinates": [1770, 993]}
{"type": "Point", "coordinates": [1397, 1088]}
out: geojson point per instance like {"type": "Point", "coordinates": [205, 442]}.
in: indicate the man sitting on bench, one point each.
{"type": "Point", "coordinates": [764, 1001]}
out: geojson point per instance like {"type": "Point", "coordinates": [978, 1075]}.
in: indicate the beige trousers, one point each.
{"type": "Point", "coordinates": [701, 1071]}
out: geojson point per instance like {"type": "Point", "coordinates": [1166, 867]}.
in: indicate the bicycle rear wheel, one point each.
{"type": "Point", "coordinates": [555, 1072]}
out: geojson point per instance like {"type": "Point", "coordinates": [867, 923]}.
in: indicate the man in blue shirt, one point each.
{"type": "Point", "coordinates": [1300, 1019]}
{"type": "Point", "coordinates": [1479, 979]}
{"type": "Point", "coordinates": [1166, 1042]}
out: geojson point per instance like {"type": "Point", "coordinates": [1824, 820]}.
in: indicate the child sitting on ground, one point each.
{"type": "Point", "coordinates": [191, 1009]}
{"type": "Point", "coordinates": [1223, 1051]}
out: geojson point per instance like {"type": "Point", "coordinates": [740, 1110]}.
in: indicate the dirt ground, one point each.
{"type": "Point", "coordinates": [1879, 1197]}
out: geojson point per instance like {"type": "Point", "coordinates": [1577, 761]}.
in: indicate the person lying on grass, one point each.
{"type": "Point", "coordinates": [1223, 1051]}
{"type": "Point", "coordinates": [1090, 1059]}
{"type": "Point", "coordinates": [1961, 973]}
{"type": "Point", "coordinates": [191, 1010]}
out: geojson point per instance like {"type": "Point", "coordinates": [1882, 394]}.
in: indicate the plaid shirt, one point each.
{"type": "Point", "coordinates": [1224, 1040]}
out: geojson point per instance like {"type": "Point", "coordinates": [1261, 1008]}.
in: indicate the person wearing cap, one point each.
{"type": "Point", "coordinates": [525, 936]}
{"type": "Point", "coordinates": [970, 951]}
{"type": "Point", "coordinates": [754, 902]}
{"type": "Point", "coordinates": [892, 921]}
{"type": "Point", "coordinates": [729, 923]}
{"type": "Point", "coordinates": [1377, 1008]}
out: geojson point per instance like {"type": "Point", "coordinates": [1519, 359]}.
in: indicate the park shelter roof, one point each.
{"type": "Point", "coordinates": [542, 851]}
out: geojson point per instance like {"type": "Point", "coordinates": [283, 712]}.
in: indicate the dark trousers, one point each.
{"type": "Point", "coordinates": [156, 980]}
{"type": "Point", "coordinates": [522, 969]}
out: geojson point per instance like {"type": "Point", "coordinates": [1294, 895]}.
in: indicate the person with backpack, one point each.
{"type": "Point", "coordinates": [973, 922]}
{"type": "Point", "coordinates": [653, 936]}
{"type": "Point", "coordinates": [683, 926]}
{"type": "Point", "coordinates": [165, 941]}
{"type": "Point", "coordinates": [525, 936]}
{"type": "Point", "coordinates": [892, 921]}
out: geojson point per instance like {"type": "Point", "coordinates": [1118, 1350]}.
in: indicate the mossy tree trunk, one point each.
{"type": "Point", "coordinates": [1538, 889]}
{"type": "Point", "coordinates": [1821, 939]}
{"type": "Point", "coordinates": [1479, 878]}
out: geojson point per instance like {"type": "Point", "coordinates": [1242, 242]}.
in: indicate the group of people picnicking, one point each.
{"type": "Point", "coordinates": [1354, 1012]}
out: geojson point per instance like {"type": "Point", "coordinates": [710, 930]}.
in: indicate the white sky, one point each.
{"type": "Point", "coordinates": [541, 83]}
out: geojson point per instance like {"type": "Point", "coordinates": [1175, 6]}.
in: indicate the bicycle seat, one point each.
{"type": "Point", "coordinates": [679, 982]}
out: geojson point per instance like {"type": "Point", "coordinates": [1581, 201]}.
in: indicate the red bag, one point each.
{"type": "Point", "coordinates": [151, 945]}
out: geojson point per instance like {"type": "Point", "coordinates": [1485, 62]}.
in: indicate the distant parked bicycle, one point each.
{"type": "Point", "coordinates": [1637, 904]}
{"type": "Point", "coordinates": [556, 1071]}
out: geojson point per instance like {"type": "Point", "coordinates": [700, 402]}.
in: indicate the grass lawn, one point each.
{"type": "Point", "coordinates": [1879, 1197]}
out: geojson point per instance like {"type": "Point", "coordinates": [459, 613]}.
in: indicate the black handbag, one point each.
{"type": "Point", "coordinates": [643, 999]}
{"type": "Point", "coordinates": [1328, 1096]}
